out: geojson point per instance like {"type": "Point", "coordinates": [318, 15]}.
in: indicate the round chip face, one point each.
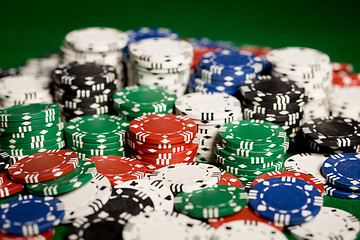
{"type": "Point", "coordinates": [43, 166]}
{"type": "Point", "coordinates": [96, 39]}
{"type": "Point", "coordinates": [187, 177]}
{"type": "Point", "coordinates": [343, 170]}
{"type": "Point", "coordinates": [206, 106]}
{"type": "Point", "coordinates": [29, 112]}
{"type": "Point", "coordinates": [245, 133]}
{"type": "Point", "coordinates": [330, 223]}
{"type": "Point", "coordinates": [48, 235]}
{"type": "Point", "coordinates": [212, 202]}
{"type": "Point", "coordinates": [245, 229]}
{"type": "Point", "coordinates": [162, 129]}
{"type": "Point", "coordinates": [273, 199]}
{"type": "Point", "coordinates": [15, 222]}
{"type": "Point", "coordinates": [229, 180]}
{"type": "Point", "coordinates": [8, 187]}
{"type": "Point", "coordinates": [118, 169]}
{"type": "Point", "coordinates": [82, 174]}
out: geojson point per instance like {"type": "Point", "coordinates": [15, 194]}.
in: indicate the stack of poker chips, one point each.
{"type": "Point", "coordinates": [274, 99]}
{"type": "Point", "coordinates": [209, 111]}
{"type": "Point", "coordinates": [224, 71]}
{"type": "Point", "coordinates": [345, 102]}
{"type": "Point", "coordinates": [342, 174]}
{"type": "Point", "coordinates": [34, 89]}
{"type": "Point", "coordinates": [136, 35]}
{"type": "Point", "coordinates": [28, 129]}
{"type": "Point", "coordinates": [95, 44]}
{"type": "Point", "coordinates": [161, 62]}
{"type": "Point", "coordinates": [162, 139]}
{"type": "Point", "coordinates": [249, 148]}
{"type": "Point", "coordinates": [96, 135]}
{"type": "Point", "coordinates": [84, 88]}
{"type": "Point", "coordinates": [135, 101]}
{"type": "Point", "coordinates": [311, 69]}
{"type": "Point", "coordinates": [331, 135]}
{"type": "Point", "coordinates": [41, 66]}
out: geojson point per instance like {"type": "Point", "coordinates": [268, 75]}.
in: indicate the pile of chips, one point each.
{"type": "Point", "coordinates": [249, 148]}
{"type": "Point", "coordinates": [95, 44]}
{"type": "Point", "coordinates": [209, 111]}
{"type": "Point", "coordinates": [96, 135]}
{"type": "Point", "coordinates": [161, 62]}
{"type": "Point", "coordinates": [84, 88]}
{"type": "Point", "coordinates": [224, 71]}
{"type": "Point", "coordinates": [311, 69]}
{"type": "Point", "coordinates": [162, 139]}
{"type": "Point", "coordinates": [28, 129]}
{"type": "Point", "coordinates": [345, 102]}
{"type": "Point", "coordinates": [276, 100]}
{"type": "Point", "coordinates": [135, 101]}
{"type": "Point", "coordinates": [331, 135]}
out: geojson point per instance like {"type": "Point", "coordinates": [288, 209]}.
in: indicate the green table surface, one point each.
{"type": "Point", "coordinates": [30, 29]}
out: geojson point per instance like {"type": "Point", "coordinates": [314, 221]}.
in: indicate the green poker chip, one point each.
{"type": "Point", "coordinates": [15, 124]}
{"type": "Point", "coordinates": [33, 145]}
{"type": "Point", "coordinates": [23, 152]}
{"type": "Point", "coordinates": [33, 139]}
{"type": "Point", "coordinates": [212, 202]}
{"type": "Point", "coordinates": [97, 152]}
{"type": "Point", "coordinates": [232, 162]}
{"type": "Point", "coordinates": [83, 156]}
{"type": "Point", "coordinates": [144, 99]}
{"type": "Point", "coordinates": [134, 114]}
{"type": "Point", "coordinates": [232, 152]}
{"type": "Point", "coordinates": [92, 128]}
{"type": "Point", "coordinates": [105, 145]}
{"type": "Point", "coordinates": [252, 172]}
{"type": "Point", "coordinates": [84, 172]}
{"type": "Point", "coordinates": [29, 112]}
{"type": "Point", "coordinates": [252, 134]}
{"type": "Point", "coordinates": [29, 128]}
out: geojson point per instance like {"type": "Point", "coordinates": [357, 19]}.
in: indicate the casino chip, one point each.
{"type": "Point", "coordinates": [245, 229]}
{"type": "Point", "coordinates": [187, 177]}
{"type": "Point", "coordinates": [206, 109]}
{"type": "Point", "coordinates": [7, 186]}
{"type": "Point", "coordinates": [44, 166]}
{"type": "Point", "coordinates": [212, 202]}
{"type": "Point", "coordinates": [229, 180]}
{"type": "Point", "coordinates": [273, 199]}
{"type": "Point", "coordinates": [118, 169]}
{"type": "Point", "coordinates": [136, 101]}
{"type": "Point", "coordinates": [162, 62]}
{"type": "Point", "coordinates": [33, 222]}
{"type": "Point", "coordinates": [330, 223]}
{"type": "Point", "coordinates": [96, 135]}
{"type": "Point", "coordinates": [344, 102]}
{"type": "Point", "coordinates": [256, 50]}
{"type": "Point", "coordinates": [311, 69]}
{"type": "Point", "coordinates": [162, 225]}
{"type": "Point", "coordinates": [344, 79]}
{"type": "Point", "coordinates": [6, 161]}
{"type": "Point", "coordinates": [48, 235]}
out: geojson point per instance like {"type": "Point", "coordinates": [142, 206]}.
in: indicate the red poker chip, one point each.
{"type": "Point", "coordinates": [345, 79]}
{"type": "Point", "coordinates": [199, 52]}
{"type": "Point", "coordinates": [303, 176]}
{"type": "Point", "coordinates": [342, 67]}
{"type": "Point", "coordinates": [42, 236]}
{"type": "Point", "coordinates": [43, 166]}
{"type": "Point", "coordinates": [229, 180]}
{"type": "Point", "coordinates": [162, 129]}
{"type": "Point", "coordinates": [118, 169]}
{"type": "Point", "coordinates": [8, 187]}
{"type": "Point", "coordinates": [150, 167]}
{"type": "Point", "coordinates": [256, 50]}
{"type": "Point", "coordinates": [164, 161]}
{"type": "Point", "coordinates": [244, 214]}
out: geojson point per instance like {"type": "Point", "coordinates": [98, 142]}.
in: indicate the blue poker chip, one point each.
{"type": "Point", "coordinates": [210, 43]}
{"type": "Point", "coordinates": [198, 88]}
{"type": "Point", "coordinates": [340, 193]}
{"type": "Point", "coordinates": [214, 77]}
{"type": "Point", "coordinates": [285, 200]}
{"type": "Point", "coordinates": [30, 215]}
{"type": "Point", "coordinates": [201, 82]}
{"type": "Point", "coordinates": [343, 170]}
{"type": "Point", "coordinates": [233, 62]}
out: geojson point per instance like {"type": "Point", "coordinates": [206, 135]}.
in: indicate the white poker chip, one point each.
{"type": "Point", "coordinates": [207, 106]}
{"type": "Point", "coordinates": [24, 83]}
{"type": "Point", "coordinates": [309, 163]}
{"type": "Point", "coordinates": [187, 177]}
{"type": "Point", "coordinates": [330, 223]}
{"type": "Point", "coordinates": [87, 199]}
{"type": "Point", "coordinates": [246, 229]}
{"type": "Point", "coordinates": [96, 39]}
{"type": "Point", "coordinates": [165, 226]}
{"type": "Point", "coordinates": [160, 194]}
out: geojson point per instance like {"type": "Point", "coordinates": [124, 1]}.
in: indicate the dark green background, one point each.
{"type": "Point", "coordinates": [32, 28]}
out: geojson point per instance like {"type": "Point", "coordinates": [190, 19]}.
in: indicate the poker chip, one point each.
{"type": "Point", "coordinates": [343, 102]}
{"type": "Point", "coordinates": [43, 166]}
{"type": "Point", "coordinates": [28, 112]}
{"type": "Point", "coordinates": [87, 199]}
{"type": "Point", "coordinates": [44, 236]}
{"type": "Point", "coordinates": [118, 169]}
{"type": "Point", "coordinates": [340, 193]}
{"type": "Point", "coordinates": [247, 229]}
{"type": "Point", "coordinates": [159, 193]}
{"type": "Point", "coordinates": [82, 173]}
{"type": "Point", "coordinates": [256, 50]}
{"type": "Point", "coordinates": [6, 161]}
{"type": "Point", "coordinates": [34, 221]}
{"type": "Point", "coordinates": [286, 174]}
{"type": "Point", "coordinates": [8, 187]}
{"type": "Point", "coordinates": [283, 210]}
{"type": "Point", "coordinates": [329, 223]}
{"type": "Point", "coordinates": [229, 180]}
{"type": "Point", "coordinates": [187, 177]}
{"type": "Point", "coordinates": [161, 225]}
{"type": "Point", "coordinates": [212, 202]}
